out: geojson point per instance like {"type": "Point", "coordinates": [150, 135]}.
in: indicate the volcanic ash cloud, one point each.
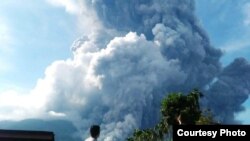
{"type": "Point", "coordinates": [140, 51]}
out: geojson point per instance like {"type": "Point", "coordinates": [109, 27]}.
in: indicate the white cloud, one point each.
{"type": "Point", "coordinates": [5, 66]}
{"type": "Point", "coordinates": [244, 115]}
{"type": "Point", "coordinates": [5, 35]}
{"type": "Point", "coordinates": [16, 105]}
{"type": "Point", "coordinates": [109, 78]}
{"type": "Point", "coordinates": [6, 40]}
{"type": "Point", "coordinates": [56, 114]}
{"type": "Point", "coordinates": [235, 45]}
{"type": "Point", "coordinates": [71, 6]}
{"type": "Point", "coordinates": [246, 12]}
{"type": "Point", "coordinates": [78, 89]}
{"type": "Point", "coordinates": [83, 10]}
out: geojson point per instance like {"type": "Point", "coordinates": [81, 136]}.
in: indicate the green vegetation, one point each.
{"type": "Point", "coordinates": [176, 108]}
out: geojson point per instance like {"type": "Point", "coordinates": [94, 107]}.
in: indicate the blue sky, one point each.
{"type": "Point", "coordinates": [34, 33]}
{"type": "Point", "coordinates": [227, 24]}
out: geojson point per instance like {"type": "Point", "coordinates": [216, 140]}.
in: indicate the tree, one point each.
{"type": "Point", "coordinates": [181, 109]}
{"type": "Point", "coordinates": [176, 108]}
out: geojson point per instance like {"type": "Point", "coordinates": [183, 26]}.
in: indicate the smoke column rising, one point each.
{"type": "Point", "coordinates": [140, 51]}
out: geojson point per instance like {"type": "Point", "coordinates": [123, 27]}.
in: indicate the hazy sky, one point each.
{"type": "Point", "coordinates": [35, 33]}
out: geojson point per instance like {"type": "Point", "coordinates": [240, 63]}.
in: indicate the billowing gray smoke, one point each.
{"type": "Point", "coordinates": [142, 50]}
{"type": "Point", "coordinates": [173, 25]}
{"type": "Point", "coordinates": [231, 89]}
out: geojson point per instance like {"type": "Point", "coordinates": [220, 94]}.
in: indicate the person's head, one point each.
{"type": "Point", "coordinates": [95, 131]}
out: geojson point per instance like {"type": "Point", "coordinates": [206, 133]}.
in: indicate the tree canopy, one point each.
{"type": "Point", "coordinates": [176, 108]}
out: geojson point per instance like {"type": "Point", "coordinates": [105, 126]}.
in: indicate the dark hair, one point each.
{"type": "Point", "coordinates": [95, 131]}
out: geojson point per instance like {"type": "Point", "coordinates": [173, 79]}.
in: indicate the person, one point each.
{"type": "Point", "coordinates": [94, 133]}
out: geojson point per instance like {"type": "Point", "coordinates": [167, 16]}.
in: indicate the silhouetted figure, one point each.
{"type": "Point", "coordinates": [94, 133]}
